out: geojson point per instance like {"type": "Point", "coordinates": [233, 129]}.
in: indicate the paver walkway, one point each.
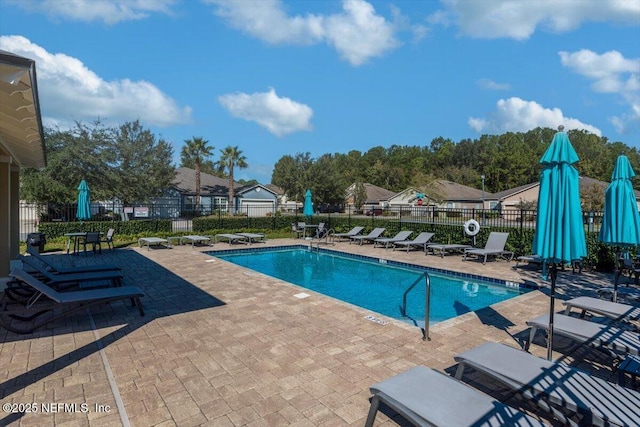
{"type": "Point", "coordinates": [224, 346]}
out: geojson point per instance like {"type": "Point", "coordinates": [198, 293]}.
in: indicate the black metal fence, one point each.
{"type": "Point", "coordinates": [31, 215]}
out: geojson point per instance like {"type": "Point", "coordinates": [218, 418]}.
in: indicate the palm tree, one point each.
{"type": "Point", "coordinates": [231, 157]}
{"type": "Point", "coordinates": [196, 150]}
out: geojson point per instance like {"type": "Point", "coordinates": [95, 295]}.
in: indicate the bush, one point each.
{"type": "Point", "coordinates": [131, 228]}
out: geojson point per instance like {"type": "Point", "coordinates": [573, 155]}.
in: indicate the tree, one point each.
{"type": "Point", "coordinates": [292, 175]}
{"type": "Point", "coordinates": [231, 158]}
{"type": "Point", "coordinates": [359, 195]}
{"type": "Point", "coordinates": [196, 151]}
{"type": "Point", "coordinates": [142, 165]}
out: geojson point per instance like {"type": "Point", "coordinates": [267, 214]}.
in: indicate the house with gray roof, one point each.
{"type": "Point", "coordinates": [441, 193]}
{"type": "Point", "coordinates": [374, 196]}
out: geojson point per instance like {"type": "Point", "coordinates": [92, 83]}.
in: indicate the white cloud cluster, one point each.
{"type": "Point", "coordinates": [519, 19]}
{"type": "Point", "coordinates": [108, 11]}
{"type": "Point", "coordinates": [357, 33]}
{"type": "Point", "coordinates": [517, 115]}
{"type": "Point", "coordinates": [70, 91]}
{"type": "Point", "coordinates": [280, 115]}
{"type": "Point", "coordinates": [611, 73]}
{"type": "Point", "coordinates": [491, 85]}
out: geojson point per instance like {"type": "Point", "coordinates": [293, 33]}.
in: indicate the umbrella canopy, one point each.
{"type": "Point", "coordinates": [308, 204]}
{"type": "Point", "coordinates": [559, 237]}
{"type": "Point", "coordinates": [84, 202]}
{"type": "Point", "coordinates": [621, 221]}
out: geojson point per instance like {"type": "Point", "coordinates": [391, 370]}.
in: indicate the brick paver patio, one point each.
{"type": "Point", "coordinates": [224, 346]}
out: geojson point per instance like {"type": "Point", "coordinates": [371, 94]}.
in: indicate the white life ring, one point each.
{"type": "Point", "coordinates": [471, 227]}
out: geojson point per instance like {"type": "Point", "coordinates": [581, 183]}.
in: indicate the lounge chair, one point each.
{"type": "Point", "coordinates": [557, 388]}
{"type": "Point", "coordinates": [45, 260]}
{"type": "Point", "coordinates": [375, 233]}
{"type": "Point", "coordinates": [353, 232]}
{"type": "Point", "coordinates": [440, 249]}
{"type": "Point", "coordinates": [612, 310]}
{"type": "Point", "coordinates": [232, 238]}
{"type": "Point", "coordinates": [386, 241]}
{"type": "Point", "coordinates": [149, 241]}
{"type": "Point", "coordinates": [420, 241]}
{"type": "Point", "coordinates": [254, 237]}
{"type": "Point", "coordinates": [617, 341]}
{"type": "Point", "coordinates": [626, 294]}
{"type": "Point", "coordinates": [65, 280]}
{"type": "Point", "coordinates": [193, 239]}
{"type": "Point", "coordinates": [529, 259]}
{"type": "Point", "coordinates": [494, 247]}
{"type": "Point", "coordinates": [426, 397]}
{"type": "Point", "coordinates": [67, 302]}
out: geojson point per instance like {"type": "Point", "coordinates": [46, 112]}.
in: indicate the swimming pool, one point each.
{"type": "Point", "coordinates": [376, 285]}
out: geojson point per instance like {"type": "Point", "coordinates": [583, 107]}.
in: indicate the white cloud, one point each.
{"type": "Point", "coordinates": [491, 85]}
{"type": "Point", "coordinates": [517, 115]}
{"type": "Point", "coordinates": [357, 33]}
{"type": "Point", "coordinates": [109, 11]}
{"type": "Point", "coordinates": [70, 91]}
{"type": "Point", "coordinates": [611, 73]}
{"type": "Point", "coordinates": [281, 116]}
{"type": "Point", "coordinates": [519, 19]}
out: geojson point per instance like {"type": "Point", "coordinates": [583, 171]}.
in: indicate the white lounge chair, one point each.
{"type": "Point", "coordinates": [254, 237]}
{"type": "Point", "coordinates": [420, 241]}
{"type": "Point", "coordinates": [149, 241]}
{"type": "Point", "coordinates": [617, 341]}
{"type": "Point", "coordinates": [494, 247]}
{"type": "Point", "coordinates": [386, 241]}
{"type": "Point", "coordinates": [232, 238]}
{"type": "Point", "coordinates": [426, 397]}
{"type": "Point", "coordinates": [557, 388]}
{"type": "Point", "coordinates": [353, 232]}
{"type": "Point", "coordinates": [375, 233]}
{"type": "Point", "coordinates": [193, 239]}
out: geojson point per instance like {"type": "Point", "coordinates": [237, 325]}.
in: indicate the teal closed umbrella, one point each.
{"type": "Point", "coordinates": [84, 201]}
{"type": "Point", "coordinates": [621, 221]}
{"type": "Point", "coordinates": [559, 237]}
{"type": "Point", "coordinates": [308, 204]}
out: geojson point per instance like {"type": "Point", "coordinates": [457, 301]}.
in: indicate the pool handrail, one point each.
{"type": "Point", "coordinates": [427, 303]}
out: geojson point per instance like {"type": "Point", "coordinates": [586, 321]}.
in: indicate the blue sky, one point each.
{"type": "Point", "coordinates": [278, 77]}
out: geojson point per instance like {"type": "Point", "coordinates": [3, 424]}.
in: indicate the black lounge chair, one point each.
{"type": "Point", "coordinates": [60, 304]}
{"type": "Point", "coordinates": [65, 280]}
{"type": "Point", "coordinates": [45, 260]}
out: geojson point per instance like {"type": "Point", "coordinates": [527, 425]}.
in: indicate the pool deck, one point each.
{"type": "Point", "coordinates": [224, 346]}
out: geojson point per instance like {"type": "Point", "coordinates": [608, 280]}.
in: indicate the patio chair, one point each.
{"type": "Point", "coordinates": [426, 397]}
{"type": "Point", "coordinates": [386, 241]}
{"type": "Point", "coordinates": [108, 239]}
{"type": "Point", "coordinates": [48, 300]}
{"type": "Point", "coordinates": [375, 233]}
{"type": "Point", "coordinates": [297, 229]}
{"type": "Point", "coordinates": [559, 389]}
{"type": "Point", "coordinates": [93, 239]}
{"type": "Point", "coordinates": [321, 231]}
{"type": "Point", "coordinates": [613, 310]}
{"type": "Point", "coordinates": [45, 260]}
{"type": "Point", "coordinates": [420, 241]}
{"type": "Point", "coordinates": [618, 342]}
{"type": "Point", "coordinates": [353, 232]}
{"type": "Point", "coordinates": [494, 247]}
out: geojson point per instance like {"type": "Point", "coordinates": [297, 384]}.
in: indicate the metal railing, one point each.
{"type": "Point", "coordinates": [427, 303]}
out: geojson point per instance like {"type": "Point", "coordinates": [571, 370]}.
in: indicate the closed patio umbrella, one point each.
{"type": "Point", "coordinates": [84, 202]}
{"type": "Point", "coordinates": [559, 237]}
{"type": "Point", "coordinates": [308, 204]}
{"type": "Point", "coordinates": [621, 221]}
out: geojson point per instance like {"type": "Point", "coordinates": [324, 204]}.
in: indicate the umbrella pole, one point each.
{"type": "Point", "coordinates": [553, 272]}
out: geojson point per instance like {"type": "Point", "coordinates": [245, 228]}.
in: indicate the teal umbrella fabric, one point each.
{"type": "Point", "coordinates": [559, 236]}
{"type": "Point", "coordinates": [621, 220]}
{"type": "Point", "coordinates": [84, 201]}
{"type": "Point", "coordinates": [308, 204]}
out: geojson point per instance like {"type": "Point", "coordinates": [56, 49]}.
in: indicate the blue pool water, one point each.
{"type": "Point", "coordinates": [376, 286]}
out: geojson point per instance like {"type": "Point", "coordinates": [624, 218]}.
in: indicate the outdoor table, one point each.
{"type": "Point", "coordinates": [76, 238]}
{"type": "Point", "coordinates": [309, 226]}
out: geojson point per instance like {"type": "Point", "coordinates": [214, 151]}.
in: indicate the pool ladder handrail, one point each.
{"type": "Point", "coordinates": [427, 303]}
